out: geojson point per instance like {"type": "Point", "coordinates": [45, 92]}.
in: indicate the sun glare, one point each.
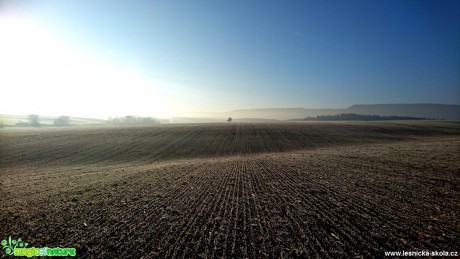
{"type": "Point", "coordinates": [42, 74]}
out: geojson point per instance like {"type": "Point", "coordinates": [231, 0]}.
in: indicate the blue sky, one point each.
{"type": "Point", "coordinates": [190, 56]}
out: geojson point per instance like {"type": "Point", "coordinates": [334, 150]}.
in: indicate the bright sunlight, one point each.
{"type": "Point", "coordinates": [44, 75]}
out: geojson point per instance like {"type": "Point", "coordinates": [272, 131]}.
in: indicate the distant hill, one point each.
{"type": "Point", "coordinates": [279, 113]}
{"type": "Point", "coordinates": [429, 111]}
{"type": "Point", "coordinates": [11, 120]}
{"type": "Point", "coordinates": [267, 115]}
{"type": "Point", "coordinates": [359, 117]}
{"type": "Point", "coordinates": [433, 111]}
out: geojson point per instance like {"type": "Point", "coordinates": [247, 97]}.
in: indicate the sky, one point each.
{"type": "Point", "coordinates": [172, 58]}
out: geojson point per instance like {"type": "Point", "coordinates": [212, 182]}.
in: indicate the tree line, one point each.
{"type": "Point", "coordinates": [33, 120]}
{"type": "Point", "coordinates": [132, 120]}
{"type": "Point", "coordinates": [358, 117]}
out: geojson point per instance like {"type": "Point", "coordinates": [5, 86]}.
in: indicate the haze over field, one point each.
{"type": "Point", "coordinates": [181, 58]}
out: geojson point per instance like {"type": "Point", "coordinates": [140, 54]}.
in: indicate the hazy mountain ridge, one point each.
{"type": "Point", "coordinates": [434, 111]}
{"type": "Point", "coordinates": [268, 115]}
{"type": "Point", "coordinates": [431, 111]}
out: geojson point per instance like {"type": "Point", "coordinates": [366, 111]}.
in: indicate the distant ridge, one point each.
{"type": "Point", "coordinates": [428, 110]}
{"type": "Point", "coordinates": [280, 113]}
{"type": "Point", "coordinates": [434, 111]}
{"type": "Point", "coordinates": [268, 115]}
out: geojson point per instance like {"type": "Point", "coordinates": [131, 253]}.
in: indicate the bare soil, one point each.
{"type": "Point", "coordinates": [299, 190]}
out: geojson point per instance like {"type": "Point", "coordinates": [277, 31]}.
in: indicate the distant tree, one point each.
{"type": "Point", "coordinates": [62, 121]}
{"type": "Point", "coordinates": [34, 120]}
{"type": "Point", "coordinates": [1, 125]}
{"type": "Point", "coordinates": [229, 119]}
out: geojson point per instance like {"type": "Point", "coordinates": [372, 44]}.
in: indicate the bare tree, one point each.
{"type": "Point", "coordinates": [229, 119]}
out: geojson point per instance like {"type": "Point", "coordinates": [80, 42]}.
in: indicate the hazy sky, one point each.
{"type": "Point", "coordinates": [165, 58]}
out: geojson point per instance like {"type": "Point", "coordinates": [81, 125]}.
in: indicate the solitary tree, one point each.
{"type": "Point", "coordinates": [229, 119]}
{"type": "Point", "coordinates": [34, 120]}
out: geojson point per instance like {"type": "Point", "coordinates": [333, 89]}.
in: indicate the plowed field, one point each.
{"type": "Point", "coordinates": [308, 190]}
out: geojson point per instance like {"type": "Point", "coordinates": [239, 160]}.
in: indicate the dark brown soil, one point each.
{"type": "Point", "coordinates": [318, 190]}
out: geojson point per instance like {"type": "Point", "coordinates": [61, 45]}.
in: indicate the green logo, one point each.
{"type": "Point", "coordinates": [19, 248]}
{"type": "Point", "coordinates": [11, 244]}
